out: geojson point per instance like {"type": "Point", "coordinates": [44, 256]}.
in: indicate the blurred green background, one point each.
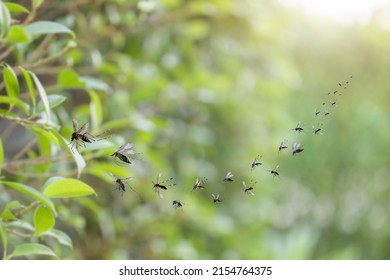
{"type": "Point", "coordinates": [201, 88]}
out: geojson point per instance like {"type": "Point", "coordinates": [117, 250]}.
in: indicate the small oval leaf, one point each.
{"type": "Point", "coordinates": [11, 82]}
{"type": "Point", "coordinates": [61, 237]}
{"type": "Point", "coordinates": [43, 220]}
{"type": "Point", "coordinates": [30, 87]}
{"type": "Point", "coordinates": [68, 188]}
{"type": "Point", "coordinates": [33, 193]}
{"type": "Point", "coordinates": [31, 249]}
{"type": "Point", "coordinates": [16, 8]}
{"type": "Point", "coordinates": [47, 27]}
{"type": "Point", "coordinates": [17, 35]}
{"type": "Point", "coordinates": [14, 101]}
{"type": "Point", "coordinates": [54, 101]}
{"type": "Point", "coordinates": [43, 95]}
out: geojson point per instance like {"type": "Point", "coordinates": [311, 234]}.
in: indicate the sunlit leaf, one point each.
{"type": "Point", "coordinates": [30, 87]}
{"type": "Point", "coordinates": [14, 101]}
{"type": "Point", "coordinates": [54, 101]}
{"type": "Point", "coordinates": [27, 249]}
{"type": "Point", "coordinates": [61, 237]}
{"type": "Point", "coordinates": [43, 220]}
{"type": "Point", "coordinates": [10, 81]}
{"type": "Point", "coordinates": [16, 8]}
{"type": "Point", "coordinates": [32, 193]}
{"type": "Point", "coordinates": [68, 188]}
{"type": "Point", "coordinates": [46, 134]}
{"type": "Point", "coordinates": [5, 19]}
{"type": "Point", "coordinates": [47, 27]}
{"type": "Point", "coordinates": [80, 162]}
{"type": "Point", "coordinates": [17, 35]}
{"type": "Point", "coordinates": [42, 94]}
{"type": "Point", "coordinates": [7, 213]}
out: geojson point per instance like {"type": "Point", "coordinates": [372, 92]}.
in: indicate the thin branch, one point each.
{"type": "Point", "coordinates": [25, 209]}
{"type": "Point", "coordinates": [24, 235]}
{"type": "Point", "coordinates": [25, 149]}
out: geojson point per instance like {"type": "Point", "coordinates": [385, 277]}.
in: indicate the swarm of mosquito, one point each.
{"type": "Point", "coordinates": [81, 137]}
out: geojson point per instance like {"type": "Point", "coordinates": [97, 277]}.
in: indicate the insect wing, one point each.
{"type": "Point", "coordinates": [75, 125]}
{"type": "Point", "coordinates": [83, 129]}
{"type": "Point", "coordinates": [122, 149]}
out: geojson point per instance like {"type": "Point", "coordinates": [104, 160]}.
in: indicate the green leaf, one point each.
{"type": "Point", "coordinates": [33, 193]}
{"type": "Point", "coordinates": [7, 213]}
{"type": "Point", "coordinates": [16, 8]}
{"type": "Point", "coordinates": [3, 235]}
{"type": "Point", "coordinates": [17, 35]}
{"type": "Point", "coordinates": [93, 83]}
{"type": "Point", "coordinates": [47, 27]}
{"type": "Point", "coordinates": [65, 188]}
{"type": "Point", "coordinates": [1, 155]}
{"type": "Point", "coordinates": [80, 162]}
{"type": "Point", "coordinates": [11, 82]}
{"type": "Point", "coordinates": [54, 101]}
{"type": "Point", "coordinates": [43, 220]}
{"type": "Point", "coordinates": [46, 134]}
{"type": "Point", "coordinates": [5, 19]}
{"type": "Point", "coordinates": [30, 87]}
{"type": "Point", "coordinates": [96, 108]}
{"type": "Point", "coordinates": [61, 237]}
{"type": "Point", "coordinates": [43, 95]}
{"type": "Point", "coordinates": [31, 249]}
{"type": "Point", "coordinates": [14, 101]}
{"type": "Point", "coordinates": [68, 78]}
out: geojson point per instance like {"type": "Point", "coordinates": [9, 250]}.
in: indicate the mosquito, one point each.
{"type": "Point", "coordinates": [123, 152]}
{"type": "Point", "coordinates": [159, 186]}
{"type": "Point", "coordinates": [121, 184]}
{"type": "Point", "coordinates": [298, 128]}
{"type": "Point", "coordinates": [333, 103]}
{"type": "Point", "coordinates": [318, 130]}
{"type": "Point", "coordinates": [317, 113]}
{"type": "Point", "coordinates": [216, 198]}
{"type": "Point", "coordinates": [274, 171]}
{"type": "Point", "coordinates": [326, 113]}
{"type": "Point", "coordinates": [228, 177]}
{"type": "Point", "coordinates": [296, 148]}
{"type": "Point", "coordinates": [80, 135]}
{"type": "Point", "coordinates": [177, 204]}
{"type": "Point", "coordinates": [248, 189]}
{"type": "Point", "coordinates": [256, 162]}
{"type": "Point", "coordinates": [282, 145]}
{"type": "Point", "coordinates": [199, 184]}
